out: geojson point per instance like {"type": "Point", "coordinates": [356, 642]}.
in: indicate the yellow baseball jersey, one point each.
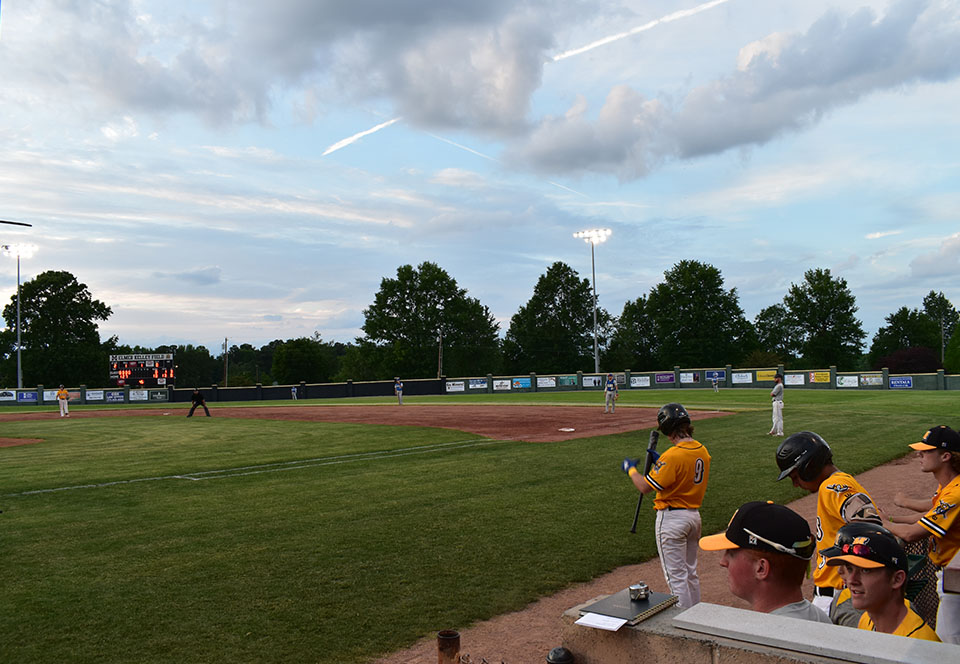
{"type": "Point", "coordinates": [680, 476]}
{"type": "Point", "coordinates": [912, 626]}
{"type": "Point", "coordinates": [943, 523]}
{"type": "Point", "coordinates": [840, 500]}
{"type": "Point", "coordinates": [63, 394]}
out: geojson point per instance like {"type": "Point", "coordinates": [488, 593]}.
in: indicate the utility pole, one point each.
{"type": "Point", "coordinates": [226, 361]}
{"type": "Point", "coordinates": [440, 353]}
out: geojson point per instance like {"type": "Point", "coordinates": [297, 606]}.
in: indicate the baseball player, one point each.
{"type": "Point", "coordinates": [807, 460]}
{"type": "Point", "coordinates": [716, 382]}
{"type": "Point", "coordinates": [939, 453]}
{"type": "Point", "coordinates": [62, 398]}
{"type": "Point", "coordinates": [196, 400]}
{"type": "Point", "coordinates": [679, 477]}
{"type": "Point", "coordinates": [610, 394]}
{"type": "Point", "coordinates": [398, 390]}
{"type": "Point", "coordinates": [293, 392]}
{"type": "Point", "coordinates": [777, 396]}
{"type": "Point", "coordinates": [874, 567]}
{"type": "Point", "coordinates": [766, 552]}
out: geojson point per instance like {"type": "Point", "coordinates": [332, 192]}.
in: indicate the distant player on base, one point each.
{"type": "Point", "coordinates": [610, 393]}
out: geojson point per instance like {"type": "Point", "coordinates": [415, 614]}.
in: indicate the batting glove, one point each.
{"type": "Point", "coordinates": [627, 464]}
{"type": "Point", "coordinates": [654, 455]}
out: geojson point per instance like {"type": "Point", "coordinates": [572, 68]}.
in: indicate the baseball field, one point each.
{"type": "Point", "coordinates": [338, 531]}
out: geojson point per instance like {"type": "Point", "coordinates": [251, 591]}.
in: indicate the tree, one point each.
{"type": "Point", "coordinates": [951, 361]}
{"type": "Point", "coordinates": [696, 321]}
{"type": "Point", "coordinates": [824, 311]}
{"type": "Point", "coordinates": [778, 337]}
{"type": "Point", "coordinates": [633, 344]}
{"type": "Point", "coordinates": [553, 331]}
{"type": "Point", "coordinates": [301, 359]}
{"type": "Point", "coordinates": [910, 360]}
{"type": "Point", "coordinates": [59, 332]}
{"type": "Point", "coordinates": [409, 316]}
{"type": "Point", "coordinates": [905, 328]}
{"type": "Point", "coordinates": [944, 315]}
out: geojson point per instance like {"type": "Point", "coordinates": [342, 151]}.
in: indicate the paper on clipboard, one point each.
{"type": "Point", "coordinates": [598, 621]}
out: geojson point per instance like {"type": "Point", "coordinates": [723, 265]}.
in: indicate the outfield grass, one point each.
{"type": "Point", "coordinates": [378, 536]}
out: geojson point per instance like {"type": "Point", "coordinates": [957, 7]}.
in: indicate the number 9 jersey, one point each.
{"type": "Point", "coordinates": [680, 476]}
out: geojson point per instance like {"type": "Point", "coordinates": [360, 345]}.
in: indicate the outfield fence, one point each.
{"type": "Point", "coordinates": [677, 378]}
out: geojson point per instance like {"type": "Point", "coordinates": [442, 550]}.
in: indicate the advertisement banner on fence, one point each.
{"type": "Point", "coordinates": [94, 395]}
{"type": "Point", "coordinates": [848, 381]}
{"type": "Point", "coordinates": [546, 381]}
{"type": "Point", "coordinates": [114, 396]}
{"type": "Point", "coordinates": [139, 395]}
{"type": "Point", "coordinates": [819, 376]}
{"type": "Point", "coordinates": [766, 375]}
{"type": "Point", "coordinates": [501, 385]}
{"type": "Point", "coordinates": [690, 377]}
{"type": "Point", "coordinates": [49, 395]}
{"type": "Point", "coordinates": [793, 379]}
{"type": "Point", "coordinates": [521, 383]}
{"type": "Point", "coordinates": [593, 381]}
{"type": "Point", "coordinates": [452, 386]}
{"type": "Point", "coordinates": [26, 397]}
{"type": "Point", "coordinates": [742, 377]}
{"type": "Point", "coordinates": [871, 380]}
{"type": "Point", "coordinates": [159, 395]}
{"type": "Point", "coordinates": [478, 383]}
{"type": "Point", "coordinates": [664, 378]}
{"type": "Point", "coordinates": [719, 375]}
{"type": "Point", "coordinates": [639, 381]}
{"type": "Point", "coordinates": [901, 382]}
{"type": "Point", "coordinates": [8, 395]}
{"type": "Point", "coordinates": [567, 381]}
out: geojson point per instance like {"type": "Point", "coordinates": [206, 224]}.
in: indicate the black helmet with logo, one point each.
{"type": "Point", "coordinates": [804, 452]}
{"type": "Point", "coordinates": [670, 417]}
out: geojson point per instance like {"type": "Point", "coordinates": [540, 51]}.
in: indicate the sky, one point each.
{"type": "Point", "coordinates": [251, 171]}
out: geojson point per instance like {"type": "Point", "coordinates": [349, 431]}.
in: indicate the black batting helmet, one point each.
{"type": "Point", "coordinates": [804, 452]}
{"type": "Point", "coordinates": [670, 417]}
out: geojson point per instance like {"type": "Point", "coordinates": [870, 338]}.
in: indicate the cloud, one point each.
{"type": "Point", "coordinates": [881, 234]}
{"type": "Point", "coordinates": [206, 276]}
{"type": "Point", "coordinates": [783, 83]}
{"type": "Point", "coordinates": [944, 262]}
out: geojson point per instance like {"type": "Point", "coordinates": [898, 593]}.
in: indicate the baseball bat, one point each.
{"type": "Point", "coordinates": [648, 462]}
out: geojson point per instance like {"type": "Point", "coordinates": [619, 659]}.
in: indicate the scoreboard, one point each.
{"type": "Point", "coordinates": [142, 370]}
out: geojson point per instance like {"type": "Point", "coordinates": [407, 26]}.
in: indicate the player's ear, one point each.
{"type": "Point", "coordinates": [898, 578]}
{"type": "Point", "coordinates": [761, 567]}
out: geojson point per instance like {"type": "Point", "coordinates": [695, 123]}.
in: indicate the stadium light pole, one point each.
{"type": "Point", "coordinates": [18, 250]}
{"type": "Point", "coordinates": [594, 237]}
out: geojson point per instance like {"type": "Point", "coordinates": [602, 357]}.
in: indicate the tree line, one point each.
{"type": "Point", "coordinates": [422, 324]}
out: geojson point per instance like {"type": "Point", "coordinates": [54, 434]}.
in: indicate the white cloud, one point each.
{"type": "Point", "coordinates": [881, 234]}
{"type": "Point", "coordinates": [943, 263]}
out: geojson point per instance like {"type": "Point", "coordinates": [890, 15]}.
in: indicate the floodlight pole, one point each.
{"type": "Point", "coordinates": [19, 366]}
{"type": "Point", "coordinates": [593, 238]}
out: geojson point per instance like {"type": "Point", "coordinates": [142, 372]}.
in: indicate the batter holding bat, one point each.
{"type": "Point", "coordinates": [679, 479]}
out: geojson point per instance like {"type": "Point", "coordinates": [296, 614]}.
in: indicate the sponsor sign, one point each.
{"type": "Point", "coordinates": [520, 383]}
{"type": "Point", "coordinates": [690, 377]}
{"type": "Point", "coordinates": [848, 381]}
{"type": "Point", "coordinates": [593, 381]}
{"type": "Point", "coordinates": [719, 375]}
{"type": "Point", "coordinates": [567, 381]}
{"type": "Point", "coordinates": [478, 383]}
{"type": "Point", "coordinates": [664, 378]}
{"type": "Point", "coordinates": [793, 379]}
{"type": "Point", "coordinates": [159, 395]}
{"type": "Point", "coordinates": [94, 395]}
{"type": "Point", "coordinates": [452, 386]}
{"type": "Point", "coordinates": [901, 382]}
{"type": "Point", "coordinates": [818, 377]}
{"type": "Point", "coordinates": [639, 381]}
{"type": "Point", "coordinates": [871, 380]}
{"type": "Point", "coordinates": [742, 377]}
{"type": "Point", "coordinates": [8, 395]}
{"type": "Point", "coordinates": [27, 397]}
{"type": "Point", "coordinates": [139, 395]}
{"type": "Point", "coordinates": [767, 374]}
{"type": "Point", "coordinates": [49, 395]}
{"type": "Point", "coordinates": [546, 381]}
{"type": "Point", "coordinates": [501, 385]}
{"type": "Point", "coordinates": [114, 396]}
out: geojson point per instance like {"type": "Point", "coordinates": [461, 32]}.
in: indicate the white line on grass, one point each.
{"type": "Point", "coordinates": [280, 466]}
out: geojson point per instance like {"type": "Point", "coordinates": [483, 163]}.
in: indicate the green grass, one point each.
{"type": "Point", "coordinates": [366, 548]}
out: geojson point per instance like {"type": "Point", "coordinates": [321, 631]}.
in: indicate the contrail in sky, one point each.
{"type": "Point", "coordinates": [356, 137]}
{"type": "Point", "coordinates": [683, 13]}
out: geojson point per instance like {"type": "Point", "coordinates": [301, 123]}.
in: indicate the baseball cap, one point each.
{"type": "Point", "coordinates": [765, 526]}
{"type": "Point", "coordinates": [866, 545]}
{"type": "Point", "coordinates": [939, 438]}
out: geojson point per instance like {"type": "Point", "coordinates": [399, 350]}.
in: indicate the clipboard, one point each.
{"type": "Point", "coordinates": [619, 605]}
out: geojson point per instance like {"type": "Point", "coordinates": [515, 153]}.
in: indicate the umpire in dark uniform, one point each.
{"type": "Point", "coordinates": [198, 400]}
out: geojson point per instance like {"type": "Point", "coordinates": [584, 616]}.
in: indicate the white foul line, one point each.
{"type": "Point", "coordinates": [277, 467]}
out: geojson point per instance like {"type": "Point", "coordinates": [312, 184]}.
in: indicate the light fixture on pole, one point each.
{"type": "Point", "coordinates": [594, 237]}
{"type": "Point", "coordinates": [26, 251]}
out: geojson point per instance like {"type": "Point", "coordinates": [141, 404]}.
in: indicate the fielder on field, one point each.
{"type": "Point", "coordinates": [807, 460]}
{"type": "Point", "coordinates": [610, 394]}
{"type": "Point", "coordinates": [398, 390]}
{"type": "Point", "coordinates": [939, 453]}
{"type": "Point", "coordinates": [776, 395]}
{"type": "Point", "coordinates": [679, 477]}
{"type": "Point", "coordinates": [62, 398]}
